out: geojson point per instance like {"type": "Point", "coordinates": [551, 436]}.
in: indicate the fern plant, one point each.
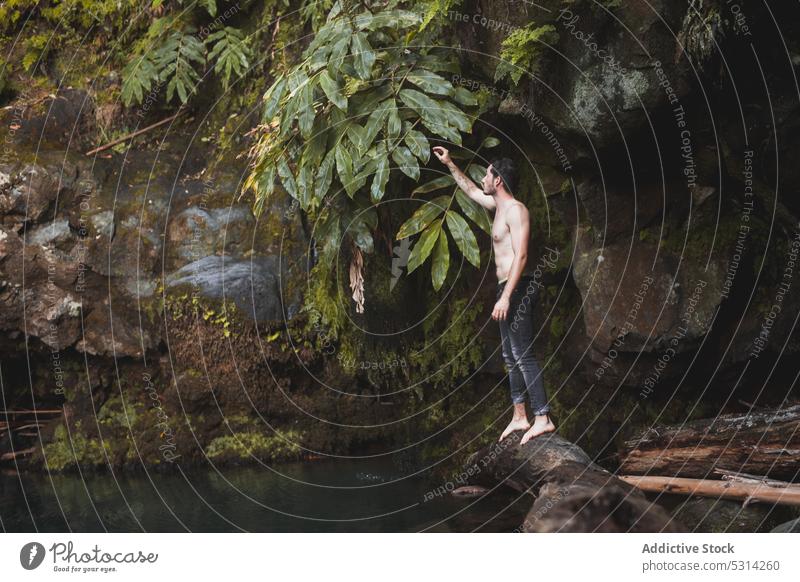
{"type": "Point", "coordinates": [171, 53]}
{"type": "Point", "coordinates": [230, 53]}
{"type": "Point", "coordinates": [521, 51]}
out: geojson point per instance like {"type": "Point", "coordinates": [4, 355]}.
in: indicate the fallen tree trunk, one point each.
{"type": "Point", "coordinates": [760, 442]}
{"type": "Point", "coordinates": [572, 493]}
{"type": "Point", "coordinates": [747, 492]}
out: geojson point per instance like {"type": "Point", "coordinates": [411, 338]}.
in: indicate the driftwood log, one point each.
{"type": "Point", "coordinates": [572, 494]}
{"type": "Point", "coordinates": [745, 492]}
{"type": "Point", "coordinates": [765, 442]}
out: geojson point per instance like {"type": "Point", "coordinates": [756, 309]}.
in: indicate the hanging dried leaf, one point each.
{"type": "Point", "coordinates": [357, 279]}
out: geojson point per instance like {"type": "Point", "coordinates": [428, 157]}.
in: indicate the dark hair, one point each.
{"type": "Point", "coordinates": [505, 169]}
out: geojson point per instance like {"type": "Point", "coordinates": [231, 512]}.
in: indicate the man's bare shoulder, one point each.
{"type": "Point", "coordinates": [516, 212]}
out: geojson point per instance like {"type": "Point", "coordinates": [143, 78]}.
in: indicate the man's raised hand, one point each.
{"type": "Point", "coordinates": [442, 154]}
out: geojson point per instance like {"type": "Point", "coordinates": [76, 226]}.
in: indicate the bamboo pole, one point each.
{"type": "Point", "coordinates": [747, 492]}
{"type": "Point", "coordinates": [138, 132]}
{"type": "Point", "coordinates": [39, 411]}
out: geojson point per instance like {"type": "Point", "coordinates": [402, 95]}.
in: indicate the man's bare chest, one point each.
{"type": "Point", "coordinates": [500, 230]}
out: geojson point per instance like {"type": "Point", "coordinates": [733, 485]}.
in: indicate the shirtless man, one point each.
{"type": "Point", "coordinates": [515, 290]}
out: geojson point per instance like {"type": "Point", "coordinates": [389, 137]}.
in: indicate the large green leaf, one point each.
{"type": "Point", "coordinates": [344, 166]}
{"type": "Point", "coordinates": [422, 249]}
{"type": "Point", "coordinates": [430, 82]}
{"type": "Point", "coordinates": [406, 162]}
{"type": "Point", "coordinates": [455, 116]}
{"type": "Point", "coordinates": [287, 178]}
{"type": "Point", "coordinates": [333, 90]}
{"type": "Point", "coordinates": [474, 211]}
{"type": "Point", "coordinates": [380, 179]}
{"type": "Point", "coordinates": [465, 240]}
{"type": "Point", "coordinates": [363, 55]}
{"type": "Point", "coordinates": [338, 52]}
{"type": "Point", "coordinates": [441, 261]}
{"type": "Point", "coordinates": [476, 172]}
{"type": "Point", "coordinates": [423, 216]}
{"type": "Point", "coordinates": [418, 144]}
{"type": "Point", "coordinates": [427, 108]}
{"type": "Point", "coordinates": [272, 98]}
{"type": "Point", "coordinates": [451, 134]}
{"type": "Point", "coordinates": [324, 176]}
{"type": "Point", "coordinates": [437, 184]}
{"type": "Point", "coordinates": [305, 186]}
{"type": "Point", "coordinates": [357, 136]}
{"type": "Point", "coordinates": [394, 124]}
{"type": "Point", "coordinates": [306, 113]}
{"type": "Point", "coordinates": [465, 97]}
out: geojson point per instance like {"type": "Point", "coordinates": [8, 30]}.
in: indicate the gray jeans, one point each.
{"type": "Point", "coordinates": [516, 334]}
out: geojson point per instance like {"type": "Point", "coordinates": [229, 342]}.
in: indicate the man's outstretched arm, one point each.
{"type": "Point", "coordinates": [463, 181]}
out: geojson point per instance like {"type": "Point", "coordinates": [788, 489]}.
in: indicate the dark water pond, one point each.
{"type": "Point", "coordinates": [343, 495]}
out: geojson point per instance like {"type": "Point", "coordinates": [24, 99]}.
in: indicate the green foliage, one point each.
{"type": "Point", "coordinates": [522, 49]}
{"type": "Point", "coordinates": [176, 59]}
{"type": "Point", "coordinates": [36, 48]}
{"type": "Point", "coordinates": [436, 10]}
{"type": "Point", "coordinates": [459, 320]}
{"type": "Point", "coordinates": [427, 222]}
{"type": "Point", "coordinates": [70, 449]}
{"type": "Point", "coordinates": [364, 100]}
{"type": "Point", "coordinates": [314, 11]}
{"type": "Point", "coordinates": [171, 53]}
{"type": "Point", "coordinates": [13, 12]}
{"type": "Point", "coordinates": [230, 53]}
{"type": "Point", "coordinates": [244, 445]}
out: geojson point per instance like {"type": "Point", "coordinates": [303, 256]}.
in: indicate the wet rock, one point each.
{"type": "Point", "coordinates": [615, 212]}
{"type": "Point", "coordinates": [64, 119]}
{"type": "Point", "coordinates": [56, 233]}
{"type": "Point", "coordinates": [602, 96]}
{"type": "Point", "coordinates": [198, 232]}
{"type": "Point", "coordinates": [253, 285]}
{"type": "Point", "coordinates": [31, 193]}
{"type": "Point", "coordinates": [637, 289]}
{"type": "Point", "coordinates": [116, 332]}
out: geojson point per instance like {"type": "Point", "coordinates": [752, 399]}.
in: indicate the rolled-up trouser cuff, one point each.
{"type": "Point", "coordinates": [542, 411]}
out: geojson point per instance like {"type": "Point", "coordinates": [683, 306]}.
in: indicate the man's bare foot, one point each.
{"type": "Point", "coordinates": [515, 424]}
{"type": "Point", "coordinates": [541, 425]}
